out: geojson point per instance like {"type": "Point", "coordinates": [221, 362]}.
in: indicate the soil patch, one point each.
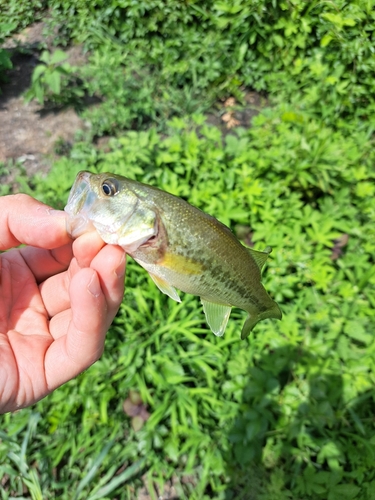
{"type": "Point", "coordinates": [29, 132]}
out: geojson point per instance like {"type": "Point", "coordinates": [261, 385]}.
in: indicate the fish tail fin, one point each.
{"type": "Point", "coordinates": [251, 321]}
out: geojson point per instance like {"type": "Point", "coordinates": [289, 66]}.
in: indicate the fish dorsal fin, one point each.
{"type": "Point", "coordinates": [260, 257]}
{"type": "Point", "coordinates": [217, 316]}
{"type": "Point", "coordinates": [165, 287]}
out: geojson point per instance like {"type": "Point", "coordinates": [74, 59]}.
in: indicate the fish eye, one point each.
{"type": "Point", "coordinates": [109, 187]}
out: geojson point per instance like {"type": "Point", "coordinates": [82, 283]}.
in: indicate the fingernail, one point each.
{"type": "Point", "coordinates": [94, 286]}
{"type": "Point", "coordinates": [58, 213]}
{"type": "Point", "coordinates": [120, 269]}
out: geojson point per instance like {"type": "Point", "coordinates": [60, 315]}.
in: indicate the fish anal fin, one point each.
{"type": "Point", "coordinates": [217, 316]}
{"type": "Point", "coordinates": [165, 287]}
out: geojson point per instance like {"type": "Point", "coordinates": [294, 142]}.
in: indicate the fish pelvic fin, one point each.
{"type": "Point", "coordinates": [165, 287]}
{"type": "Point", "coordinates": [251, 321]}
{"type": "Point", "coordinates": [217, 316]}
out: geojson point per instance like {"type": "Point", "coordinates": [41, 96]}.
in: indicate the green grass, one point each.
{"type": "Point", "coordinates": [151, 60]}
{"type": "Point", "coordinates": [288, 413]}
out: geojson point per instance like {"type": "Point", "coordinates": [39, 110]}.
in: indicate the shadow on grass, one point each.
{"type": "Point", "coordinates": [281, 431]}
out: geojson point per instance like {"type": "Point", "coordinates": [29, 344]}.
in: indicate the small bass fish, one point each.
{"type": "Point", "coordinates": [179, 245]}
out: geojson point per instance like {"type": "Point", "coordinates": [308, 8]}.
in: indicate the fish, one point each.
{"type": "Point", "coordinates": [180, 246]}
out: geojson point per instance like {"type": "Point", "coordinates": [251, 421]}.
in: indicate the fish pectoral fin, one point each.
{"type": "Point", "coordinates": [217, 316]}
{"type": "Point", "coordinates": [165, 287]}
{"type": "Point", "coordinates": [260, 257]}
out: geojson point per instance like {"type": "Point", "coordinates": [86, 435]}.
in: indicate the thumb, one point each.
{"type": "Point", "coordinates": [24, 220]}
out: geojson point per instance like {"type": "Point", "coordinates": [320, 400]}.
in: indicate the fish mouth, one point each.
{"type": "Point", "coordinates": [80, 201]}
{"type": "Point", "coordinates": [78, 225]}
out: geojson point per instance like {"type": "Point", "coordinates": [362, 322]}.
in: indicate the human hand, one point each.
{"type": "Point", "coordinates": [57, 301]}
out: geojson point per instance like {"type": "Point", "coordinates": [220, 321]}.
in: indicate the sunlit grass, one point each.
{"type": "Point", "coordinates": [285, 414]}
